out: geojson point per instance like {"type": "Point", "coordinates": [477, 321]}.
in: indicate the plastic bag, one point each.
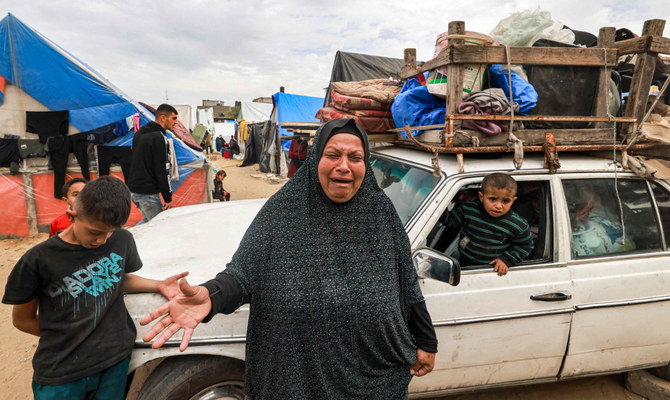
{"type": "Point", "coordinates": [525, 27]}
{"type": "Point", "coordinates": [415, 106]}
{"type": "Point", "coordinates": [555, 32]}
{"type": "Point", "coordinates": [523, 92]}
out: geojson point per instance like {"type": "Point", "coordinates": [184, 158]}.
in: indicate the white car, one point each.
{"type": "Point", "coordinates": [593, 298]}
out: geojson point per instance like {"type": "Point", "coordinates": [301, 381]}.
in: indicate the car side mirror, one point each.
{"type": "Point", "coordinates": [435, 265]}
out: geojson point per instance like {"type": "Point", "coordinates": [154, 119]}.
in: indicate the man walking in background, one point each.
{"type": "Point", "coordinates": [149, 165]}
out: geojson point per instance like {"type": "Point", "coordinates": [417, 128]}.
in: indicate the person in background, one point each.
{"type": "Point", "coordinates": [224, 146]}
{"type": "Point", "coordinates": [233, 147]}
{"type": "Point", "coordinates": [71, 189]}
{"type": "Point", "coordinates": [297, 154]}
{"type": "Point", "coordinates": [208, 142]}
{"type": "Point", "coordinates": [219, 193]}
{"type": "Point", "coordinates": [68, 290]}
{"type": "Point", "coordinates": [149, 165]}
{"type": "Point", "coordinates": [336, 310]}
{"type": "Point", "coordinates": [219, 143]}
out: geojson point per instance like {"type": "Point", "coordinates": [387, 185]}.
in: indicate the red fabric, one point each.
{"type": "Point", "coordinates": [13, 219]}
{"type": "Point", "coordinates": [59, 224]}
{"type": "Point", "coordinates": [2, 89]}
{"type": "Point", "coordinates": [371, 125]}
{"type": "Point", "coordinates": [358, 103]}
{"type": "Point", "coordinates": [364, 113]}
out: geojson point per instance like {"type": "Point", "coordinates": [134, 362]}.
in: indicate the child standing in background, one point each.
{"type": "Point", "coordinates": [71, 189]}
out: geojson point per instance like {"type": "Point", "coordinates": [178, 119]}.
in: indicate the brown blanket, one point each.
{"type": "Point", "coordinates": [370, 124]}
{"type": "Point", "coordinates": [381, 90]}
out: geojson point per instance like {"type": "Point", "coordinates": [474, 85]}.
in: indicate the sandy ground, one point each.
{"type": "Point", "coordinates": [17, 348]}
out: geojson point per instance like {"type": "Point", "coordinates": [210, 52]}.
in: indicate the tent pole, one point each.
{"type": "Point", "coordinates": [31, 207]}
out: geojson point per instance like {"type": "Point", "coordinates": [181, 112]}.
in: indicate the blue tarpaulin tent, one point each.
{"type": "Point", "coordinates": [60, 81]}
{"type": "Point", "coordinates": [294, 108]}
{"type": "Point", "coordinates": [38, 75]}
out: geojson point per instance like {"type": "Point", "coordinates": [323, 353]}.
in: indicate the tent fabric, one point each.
{"type": "Point", "coordinates": [13, 217]}
{"type": "Point", "coordinates": [199, 132]}
{"type": "Point", "coordinates": [294, 108]}
{"type": "Point", "coordinates": [41, 76]}
{"type": "Point", "coordinates": [14, 220]}
{"type": "Point", "coordinates": [348, 67]}
{"type": "Point", "coordinates": [206, 118]}
{"type": "Point", "coordinates": [255, 112]}
{"type": "Point", "coordinates": [58, 80]}
{"type": "Point", "coordinates": [254, 145]}
{"type": "Point", "coordinates": [225, 129]}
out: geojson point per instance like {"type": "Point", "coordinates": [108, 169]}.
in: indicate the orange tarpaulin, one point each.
{"type": "Point", "coordinates": [14, 218]}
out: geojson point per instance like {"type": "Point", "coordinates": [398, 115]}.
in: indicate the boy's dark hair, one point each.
{"type": "Point", "coordinates": [106, 199]}
{"type": "Point", "coordinates": [221, 172]}
{"type": "Point", "coordinates": [498, 180]}
{"type": "Point", "coordinates": [66, 186]}
{"type": "Point", "coordinates": [165, 109]}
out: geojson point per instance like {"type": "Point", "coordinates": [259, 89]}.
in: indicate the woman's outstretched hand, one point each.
{"type": "Point", "coordinates": [186, 310]}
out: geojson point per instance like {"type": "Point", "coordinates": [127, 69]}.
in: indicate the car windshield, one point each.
{"type": "Point", "coordinates": [405, 185]}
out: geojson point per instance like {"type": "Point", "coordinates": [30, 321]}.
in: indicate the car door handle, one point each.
{"type": "Point", "coordinates": [556, 296]}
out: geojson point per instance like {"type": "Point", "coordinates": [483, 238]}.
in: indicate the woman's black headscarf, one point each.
{"type": "Point", "coordinates": [330, 287]}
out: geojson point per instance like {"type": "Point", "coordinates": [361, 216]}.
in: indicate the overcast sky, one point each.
{"type": "Point", "coordinates": [240, 50]}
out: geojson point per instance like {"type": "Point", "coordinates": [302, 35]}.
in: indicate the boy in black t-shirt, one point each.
{"type": "Point", "coordinates": [76, 280]}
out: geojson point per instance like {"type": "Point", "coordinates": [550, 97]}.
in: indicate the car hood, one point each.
{"type": "Point", "coordinates": [200, 239]}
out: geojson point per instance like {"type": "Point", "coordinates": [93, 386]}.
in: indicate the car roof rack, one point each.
{"type": "Point", "coordinates": [622, 134]}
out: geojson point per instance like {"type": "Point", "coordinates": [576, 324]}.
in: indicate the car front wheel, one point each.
{"type": "Point", "coordinates": [196, 377]}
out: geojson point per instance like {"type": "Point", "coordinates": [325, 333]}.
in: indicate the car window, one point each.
{"type": "Point", "coordinates": [662, 197]}
{"type": "Point", "coordinates": [533, 204]}
{"type": "Point", "coordinates": [407, 186]}
{"type": "Point", "coordinates": [597, 207]}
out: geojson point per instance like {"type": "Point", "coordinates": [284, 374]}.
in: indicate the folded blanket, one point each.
{"type": "Point", "coordinates": [381, 90]}
{"type": "Point", "coordinates": [486, 102]}
{"type": "Point", "coordinates": [358, 103]}
{"type": "Point", "coordinates": [370, 124]}
{"type": "Point", "coordinates": [363, 113]}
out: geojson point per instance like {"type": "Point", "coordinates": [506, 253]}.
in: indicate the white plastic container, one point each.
{"type": "Point", "coordinates": [473, 73]}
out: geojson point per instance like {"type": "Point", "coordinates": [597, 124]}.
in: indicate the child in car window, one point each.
{"type": "Point", "coordinates": [491, 232]}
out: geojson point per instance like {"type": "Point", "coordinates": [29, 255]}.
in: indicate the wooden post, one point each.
{"type": "Point", "coordinates": [605, 41]}
{"type": "Point", "coordinates": [455, 74]}
{"type": "Point", "coordinates": [31, 207]}
{"type": "Point", "coordinates": [410, 58]}
{"type": "Point", "coordinates": [642, 76]}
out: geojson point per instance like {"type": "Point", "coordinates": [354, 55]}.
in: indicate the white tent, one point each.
{"type": "Point", "coordinates": [255, 112]}
{"type": "Point", "coordinates": [205, 117]}
{"type": "Point", "coordinates": [225, 129]}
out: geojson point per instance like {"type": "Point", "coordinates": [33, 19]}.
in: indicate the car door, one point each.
{"type": "Point", "coordinates": [494, 330]}
{"type": "Point", "coordinates": [620, 273]}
